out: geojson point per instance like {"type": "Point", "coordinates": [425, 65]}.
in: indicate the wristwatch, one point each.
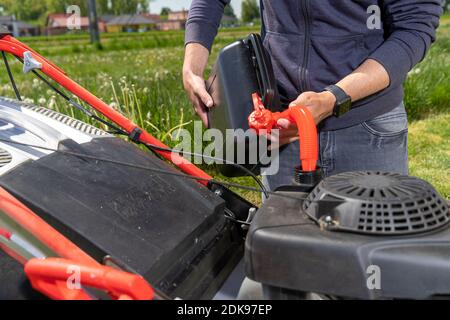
{"type": "Point", "coordinates": [343, 101]}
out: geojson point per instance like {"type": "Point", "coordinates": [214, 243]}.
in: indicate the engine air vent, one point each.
{"type": "Point", "coordinates": [378, 203]}
{"type": "Point", "coordinates": [69, 121]}
{"type": "Point", "coordinates": [5, 158]}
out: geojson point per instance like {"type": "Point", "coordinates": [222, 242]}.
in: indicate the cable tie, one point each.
{"type": "Point", "coordinates": [135, 135]}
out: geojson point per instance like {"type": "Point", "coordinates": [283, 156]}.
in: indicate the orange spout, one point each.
{"type": "Point", "coordinates": [263, 119]}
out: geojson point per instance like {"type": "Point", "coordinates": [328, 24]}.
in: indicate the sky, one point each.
{"type": "Point", "coordinates": [180, 4]}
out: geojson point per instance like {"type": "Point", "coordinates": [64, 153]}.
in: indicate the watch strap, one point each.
{"type": "Point", "coordinates": [343, 100]}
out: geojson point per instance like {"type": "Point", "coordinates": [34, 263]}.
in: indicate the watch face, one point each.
{"type": "Point", "coordinates": [345, 107]}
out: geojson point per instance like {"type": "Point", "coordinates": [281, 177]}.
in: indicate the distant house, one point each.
{"type": "Point", "coordinates": [60, 23]}
{"type": "Point", "coordinates": [178, 15]}
{"type": "Point", "coordinates": [154, 17]}
{"type": "Point", "coordinates": [131, 23]}
{"type": "Point", "coordinates": [19, 28]}
{"type": "Point", "coordinates": [176, 20]}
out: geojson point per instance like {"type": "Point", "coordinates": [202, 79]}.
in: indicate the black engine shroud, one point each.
{"type": "Point", "coordinates": [288, 252]}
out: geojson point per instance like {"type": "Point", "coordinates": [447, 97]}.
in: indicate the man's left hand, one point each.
{"type": "Point", "coordinates": [321, 106]}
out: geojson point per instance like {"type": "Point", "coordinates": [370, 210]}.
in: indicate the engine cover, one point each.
{"type": "Point", "coordinates": [286, 249]}
{"type": "Point", "coordinates": [32, 125]}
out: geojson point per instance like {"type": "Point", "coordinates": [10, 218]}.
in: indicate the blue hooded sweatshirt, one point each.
{"type": "Point", "coordinates": [315, 43]}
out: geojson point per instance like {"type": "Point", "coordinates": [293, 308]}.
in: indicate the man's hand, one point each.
{"type": "Point", "coordinates": [321, 106]}
{"type": "Point", "coordinates": [195, 61]}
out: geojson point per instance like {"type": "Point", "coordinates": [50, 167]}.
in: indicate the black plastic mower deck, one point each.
{"type": "Point", "coordinates": [169, 229]}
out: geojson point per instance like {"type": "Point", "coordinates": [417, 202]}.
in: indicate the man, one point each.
{"type": "Point", "coordinates": [330, 56]}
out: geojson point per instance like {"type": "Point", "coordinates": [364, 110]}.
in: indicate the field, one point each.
{"type": "Point", "coordinates": [140, 75]}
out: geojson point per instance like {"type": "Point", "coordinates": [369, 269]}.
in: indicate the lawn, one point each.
{"type": "Point", "coordinates": [140, 75]}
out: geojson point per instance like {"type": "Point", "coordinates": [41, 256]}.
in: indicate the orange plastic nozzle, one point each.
{"type": "Point", "coordinates": [263, 119]}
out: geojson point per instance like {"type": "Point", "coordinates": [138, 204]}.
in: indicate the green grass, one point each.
{"type": "Point", "coordinates": [429, 151]}
{"type": "Point", "coordinates": [140, 75]}
{"type": "Point", "coordinates": [76, 43]}
{"type": "Point", "coordinates": [428, 86]}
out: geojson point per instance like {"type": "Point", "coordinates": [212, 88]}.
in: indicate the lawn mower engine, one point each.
{"type": "Point", "coordinates": [359, 235]}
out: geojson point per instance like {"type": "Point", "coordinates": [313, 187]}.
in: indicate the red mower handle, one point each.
{"type": "Point", "coordinates": [263, 119]}
{"type": "Point", "coordinates": [13, 46]}
{"type": "Point", "coordinates": [52, 277]}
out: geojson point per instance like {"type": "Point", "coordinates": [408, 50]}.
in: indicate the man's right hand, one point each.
{"type": "Point", "coordinates": [195, 61]}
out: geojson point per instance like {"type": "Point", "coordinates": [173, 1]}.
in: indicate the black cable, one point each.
{"type": "Point", "coordinates": [11, 77]}
{"type": "Point", "coordinates": [91, 115]}
{"type": "Point", "coordinates": [238, 166]}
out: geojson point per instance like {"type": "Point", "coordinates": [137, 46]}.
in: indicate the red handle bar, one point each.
{"type": "Point", "coordinates": [11, 45]}
{"type": "Point", "coordinates": [61, 279]}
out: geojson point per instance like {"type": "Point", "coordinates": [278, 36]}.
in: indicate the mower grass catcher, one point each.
{"type": "Point", "coordinates": [86, 215]}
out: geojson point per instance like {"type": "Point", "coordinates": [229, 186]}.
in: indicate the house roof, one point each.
{"type": "Point", "coordinates": [61, 20]}
{"type": "Point", "coordinates": [107, 17]}
{"type": "Point", "coordinates": [179, 11]}
{"type": "Point", "coordinates": [24, 25]}
{"type": "Point", "coordinates": [129, 20]}
{"type": "Point", "coordinates": [8, 21]}
{"type": "Point", "coordinates": [155, 17]}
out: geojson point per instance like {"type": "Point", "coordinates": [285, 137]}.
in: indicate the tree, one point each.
{"type": "Point", "coordinates": [446, 4]}
{"type": "Point", "coordinates": [229, 11]}
{"type": "Point", "coordinates": [93, 23]}
{"type": "Point", "coordinates": [250, 10]}
{"type": "Point", "coordinates": [165, 11]}
{"type": "Point", "coordinates": [33, 10]}
{"type": "Point", "coordinates": [25, 9]}
{"type": "Point", "coordinates": [122, 6]}
{"type": "Point", "coordinates": [104, 6]}
{"type": "Point", "coordinates": [61, 5]}
{"type": "Point", "coordinates": [118, 7]}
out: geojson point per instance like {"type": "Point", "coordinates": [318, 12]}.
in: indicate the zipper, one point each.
{"type": "Point", "coordinates": [303, 71]}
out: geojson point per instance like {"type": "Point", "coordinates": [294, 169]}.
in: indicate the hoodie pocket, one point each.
{"type": "Point", "coordinates": [333, 58]}
{"type": "Point", "coordinates": [286, 51]}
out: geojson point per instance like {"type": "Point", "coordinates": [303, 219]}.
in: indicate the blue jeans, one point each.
{"type": "Point", "coordinates": [380, 144]}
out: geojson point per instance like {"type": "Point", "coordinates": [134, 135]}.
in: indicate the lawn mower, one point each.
{"type": "Point", "coordinates": [85, 214]}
